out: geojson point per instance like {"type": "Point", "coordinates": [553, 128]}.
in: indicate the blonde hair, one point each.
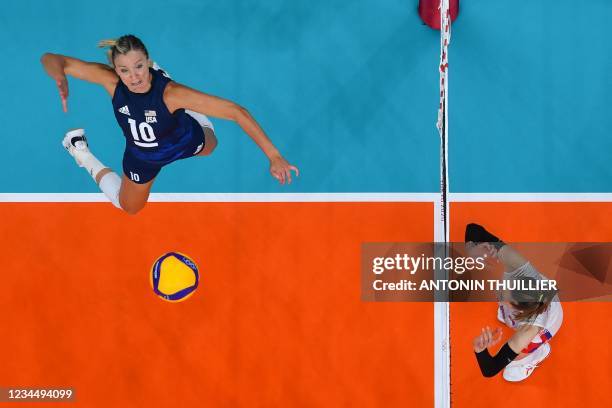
{"type": "Point", "coordinates": [122, 45]}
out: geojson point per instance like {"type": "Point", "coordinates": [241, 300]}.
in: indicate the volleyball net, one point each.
{"type": "Point", "coordinates": [442, 379]}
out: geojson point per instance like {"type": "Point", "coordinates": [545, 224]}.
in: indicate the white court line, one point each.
{"type": "Point", "coordinates": [530, 197]}
{"type": "Point", "coordinates": [52, 197]}
{"type": "Point", "coordinates": [228, 197]}
{"type": "Point", "coordinates": [318, 197]}
{"type": "Point", "coordinates": [293, 197]}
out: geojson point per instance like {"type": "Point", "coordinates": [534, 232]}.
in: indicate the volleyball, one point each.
{"type": "Point", "coordinates": [174, 277]}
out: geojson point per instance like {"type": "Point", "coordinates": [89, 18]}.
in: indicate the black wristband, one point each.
{"type": "Point", "coordinates": [489, 366]}
{"type": "Point", "coordinates": [478, 234]}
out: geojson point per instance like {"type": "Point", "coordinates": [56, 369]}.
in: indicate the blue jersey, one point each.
{"type": "Point", "coordinates": [152, 133]}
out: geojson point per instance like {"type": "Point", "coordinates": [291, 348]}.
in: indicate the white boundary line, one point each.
{"type": "Point", "coordinates": [294, 197]}
{"type": "Point", "coordinates": [530, 197]}
{"type": "Point", "coordinates": [441, 309]}
{"type": "Point", "coordinates": [228, 197]}
{"type": "Point", "coordinates": [52, 197]}
{"type": "Point", "coordinates": [320, 197]}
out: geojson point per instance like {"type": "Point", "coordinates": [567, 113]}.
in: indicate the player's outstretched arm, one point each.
{"type": "Point", "coordinates": [178, 96]}
{"type": "Point", "coordinates": [58, 66]}
{"type": "Point", "coordinates": [491, 365]}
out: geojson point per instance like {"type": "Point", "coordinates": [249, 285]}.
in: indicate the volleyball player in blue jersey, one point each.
{"type": "Point", "coordinates": [162, 121]}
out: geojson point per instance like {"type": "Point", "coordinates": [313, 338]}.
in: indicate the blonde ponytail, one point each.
{"type": "Point", "coordinates": [122, 45]}
{"type": "Point", "coordinates": [107, 43]}
{"type": "Point", "coordinates": [110, 44]}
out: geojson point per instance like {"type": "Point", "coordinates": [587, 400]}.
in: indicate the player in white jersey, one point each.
{"type": "Point", "coordinates": [535, 315]}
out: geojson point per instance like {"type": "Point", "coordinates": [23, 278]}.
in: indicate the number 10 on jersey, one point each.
{"type": "Point", "coordinates": [143, 135]}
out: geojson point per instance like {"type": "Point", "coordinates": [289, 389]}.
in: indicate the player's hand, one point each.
{"type": "Point", "coordinates": [281, 169]}
{"type": "Point", "coordinates": [486, 338]}
{"type": "Point", "coordinates": [62, 86]}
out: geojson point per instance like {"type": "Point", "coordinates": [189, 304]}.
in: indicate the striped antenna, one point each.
{"type": "Point", "coordinates": [442, 124]}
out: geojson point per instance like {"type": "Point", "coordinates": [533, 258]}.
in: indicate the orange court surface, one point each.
{"type": "Point", "coordinates": [277, 319]}
{"type": "Point", "coordinates": [577, 373]}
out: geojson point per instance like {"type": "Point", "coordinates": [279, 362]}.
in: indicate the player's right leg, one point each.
{"type": "Point", "coordinates": [109, 182]}
{"type": "Point", "coordinates": [127, 193]}
{"type": "Point", "coordinates": [76, 144]}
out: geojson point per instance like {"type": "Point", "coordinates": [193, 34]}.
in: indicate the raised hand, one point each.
{"type": "Point", "coordinates": [486, 338]}
{"type": "Point", "coordinates": [281, 170]}
{"type": "Point", "coordinates": [62, 86]}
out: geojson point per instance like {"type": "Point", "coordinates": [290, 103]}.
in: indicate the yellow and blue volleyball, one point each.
{"type": "Point", "coordinates": [174, 277]}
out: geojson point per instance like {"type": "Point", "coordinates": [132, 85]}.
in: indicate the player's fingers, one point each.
{"type": "Point", "coordinates": [62, 87]}
{"type": "Point", "coordinates": [498, 334]}
{"type": "Point", "coordinates": [280, 176]}
{"type": "Point", "coordinates": [297, 171]}
{"type": "Point", "coordinates": [287, 172]}
{"type": "Point", "coordinates": [481, 342]}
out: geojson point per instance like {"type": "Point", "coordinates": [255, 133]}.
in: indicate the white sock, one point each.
{"type": "Point", "coordinates": [89, 162]}
{"type": "Point", "coordinates": [110, 184]}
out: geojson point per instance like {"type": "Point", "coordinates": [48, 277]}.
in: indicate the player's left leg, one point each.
{"type": "Point", "coordinates": [138, 177]}
{"type": "Point", "coordinates": [134, 196]}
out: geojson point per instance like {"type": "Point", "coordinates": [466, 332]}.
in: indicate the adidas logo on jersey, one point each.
{"type": "Point", "coordinates": [124, 110]}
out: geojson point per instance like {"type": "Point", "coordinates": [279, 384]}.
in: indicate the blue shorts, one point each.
{"type": "Point", "coordinates": [142, 171]}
